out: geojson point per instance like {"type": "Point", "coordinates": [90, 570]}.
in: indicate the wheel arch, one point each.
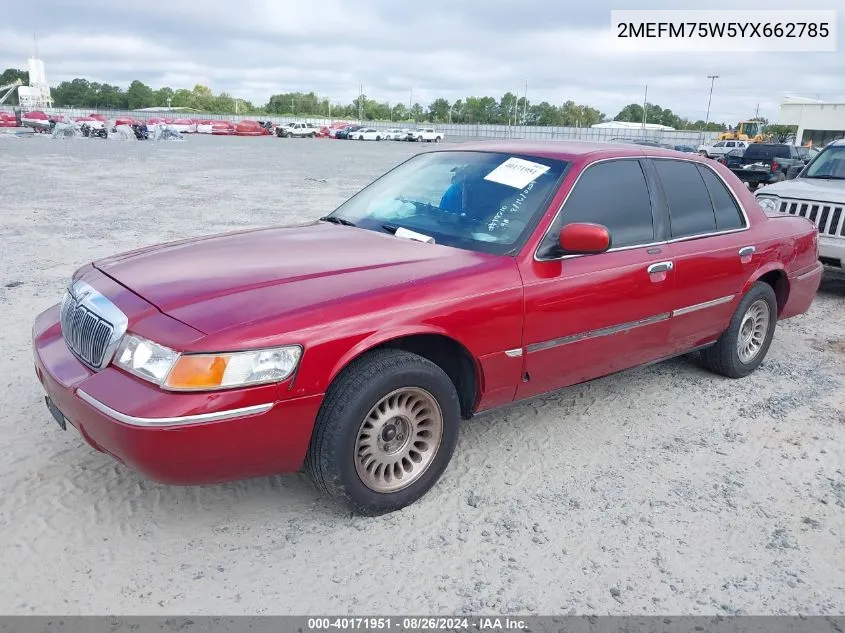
{"type": "Point", "coordinates": [434, 344]}
{"type": "Point", "coordinates": [775, 275]}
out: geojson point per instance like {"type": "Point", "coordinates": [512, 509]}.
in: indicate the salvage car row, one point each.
{"type": "Point", "coordinates": [358, 132]}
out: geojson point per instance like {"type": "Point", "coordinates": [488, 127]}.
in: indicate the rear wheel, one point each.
{"type": "Point", "coordinates": [743, 346]}
{"type": "Point", "coordinates": [378, 138]}
{"type": "Point", "coordinates": [385, 432]}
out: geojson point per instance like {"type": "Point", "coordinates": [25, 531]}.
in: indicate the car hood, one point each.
{"type": "Point", "coordinates": [218, 282]}
{"type": "Point", "coordinates": [808, 189]}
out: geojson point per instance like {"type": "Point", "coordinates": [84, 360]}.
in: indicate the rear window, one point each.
{"type": "Point", "coordinates": [767, 152]}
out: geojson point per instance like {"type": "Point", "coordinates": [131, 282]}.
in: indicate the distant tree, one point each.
{"type": "Point", "coordinates": [417, 112]}
{"type": "Point", "coordinates": [161, 96]}
{"type": "Point", "coordinates": [399, 112]}
{"type": "Point", "coordinates": [11, 75]}
{"type": "Point", "coordinates": [438, 111]}
{"type": "Point", "coordinates": [139, 95]}
{"type": "Point", "coordinates": [782, 133]}
{"type": "Point", "coordinates": [182, 98]}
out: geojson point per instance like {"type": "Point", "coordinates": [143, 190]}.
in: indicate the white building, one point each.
{"type": "Point", "coordinates": [35, 96]}
{"type": "Point", "coordinates": [818, 122]}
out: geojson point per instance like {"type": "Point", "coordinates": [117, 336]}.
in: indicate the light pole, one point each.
{"type": "Point", "coordinates": [712, 79]}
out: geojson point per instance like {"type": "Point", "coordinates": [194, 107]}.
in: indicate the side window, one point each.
{"type": "Point", "coordinates": [730, 144]}
{"type": "Point", "coordinates": [728, 215]}
{"type": "Point", "coordinates": [614, 194]}
{"type": "Point", "coordinates": [690, 209]}
{"type": "Point", "coordinates": [719, 144]}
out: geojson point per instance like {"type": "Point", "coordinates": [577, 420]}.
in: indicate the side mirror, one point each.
{"type": "Point", "coordinates": [793, 171]}
{"type": "Point", "coordinates": [584, 238]}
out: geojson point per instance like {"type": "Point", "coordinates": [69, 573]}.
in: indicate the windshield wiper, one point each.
{"type": "Point", "coordinates": [390, 228]}
{"type": "Point", "coordinates": [334, 219]}
{"type": "Point", "coordinates": [826, 177]}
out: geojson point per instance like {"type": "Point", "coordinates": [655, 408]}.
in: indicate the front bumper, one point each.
{"type": "Point", "coordinates": [177, 438]}
{"type": "Point", "coordinates": [832, 250]}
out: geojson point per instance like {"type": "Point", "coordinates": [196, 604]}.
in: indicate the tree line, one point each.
{"type": "Point", "coordinates": [508, 109]}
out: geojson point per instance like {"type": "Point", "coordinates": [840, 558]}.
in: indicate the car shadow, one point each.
{"type": "Point", "coordinates": [833, 283]}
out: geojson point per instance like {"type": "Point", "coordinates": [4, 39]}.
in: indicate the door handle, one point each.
{"type": "Point", "coordinates": [660, 267]}
{"type": "Point", "coordinates": [747, 251]}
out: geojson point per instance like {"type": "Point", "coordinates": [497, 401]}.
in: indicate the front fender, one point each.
{"type": "Point", "coordinates": [383, 336]}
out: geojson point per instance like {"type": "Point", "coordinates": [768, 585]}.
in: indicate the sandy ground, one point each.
{"type": "Point", "coordinates": [660, 490]}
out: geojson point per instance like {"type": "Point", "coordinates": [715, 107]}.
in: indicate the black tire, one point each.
{"type": "Point", "coordinates": [289, 135]}
{"type": "Point", "coordinates": [723, 357]}
{"type": "Point", "coordinates": [378, 138]}
{"type": "Point", "coordinates": [356, 390]}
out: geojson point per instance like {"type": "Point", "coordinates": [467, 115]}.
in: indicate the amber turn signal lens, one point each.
{"type": "Point", "coordinates": [198, 372]}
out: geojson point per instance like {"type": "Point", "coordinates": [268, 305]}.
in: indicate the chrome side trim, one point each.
{"type": "Point", "coordinates": [132, 420]}
{"type": "Point", "coordinates": [671, 240]}
{"type": "Point", "coordinates": [702, 306]}
{"type": "Point", "coordinates": [606, 331]}
{"type": "Point", "coordinates": [513, 353]}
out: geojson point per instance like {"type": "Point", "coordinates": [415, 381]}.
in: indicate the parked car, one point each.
{"type": "Point", "coordinates": [344, 132]}
{"type": "Point", "coordinates": [425, 134]}
{"type": "Point", "coordinates": [365, 134]}
{"type": "Point", "coordinates": [765, 163]}
{"type": "Point", "coordinates": [732, 158]}
{"type": "Point", "coordinates": [393, 134]}
{"type": "Point", "coordinates": [298, 130]}
{"type": "Point", "coordinates": [818, 194]}
{"type": "Point", "coordinates": [720, 148]}
{"type": "Point", "coordinates": [686, 149]}
{"type": "Point", "coordinates": [806, 153]}
{"type": "Point", "coordinates": [460, 281]}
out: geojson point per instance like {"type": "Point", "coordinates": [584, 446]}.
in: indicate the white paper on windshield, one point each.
{"type": "Point", "coordinates": [413, 235]}
{"type": "Point", "coordinates": [517, 173]}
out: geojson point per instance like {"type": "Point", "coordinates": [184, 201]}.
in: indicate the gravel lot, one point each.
{"type": "Point", "coordinates": [663, 490]}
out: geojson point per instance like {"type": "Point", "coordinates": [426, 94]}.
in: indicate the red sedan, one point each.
{"type": "Point", "coordinates": [462, 280]}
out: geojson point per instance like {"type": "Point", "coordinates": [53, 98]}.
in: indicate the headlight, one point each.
{"type": "Point", "coordinates": [144, 358]}
{"type": "Point", "coordinates": [769, 203]}
{"type": "Point", "coordinates": [203, 372]}
{"type": "Point", "coordinates": [239, 369]}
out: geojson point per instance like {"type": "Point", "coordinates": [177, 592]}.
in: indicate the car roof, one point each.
{"type": "Point", "coordinates": [570, 150]}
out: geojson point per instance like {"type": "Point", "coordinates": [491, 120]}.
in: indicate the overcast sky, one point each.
{"type": "Point", "coordinates": [449, 48]}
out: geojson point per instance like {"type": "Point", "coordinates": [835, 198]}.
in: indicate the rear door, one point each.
{"type": "Point", "coordinates": [710, 246]}
{"type": "Point", "coordinates": [591, 315]}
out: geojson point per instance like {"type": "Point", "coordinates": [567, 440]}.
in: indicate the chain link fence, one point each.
{"type": "Point", "coordinates": [449, 130]}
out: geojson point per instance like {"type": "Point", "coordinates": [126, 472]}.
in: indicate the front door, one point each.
{"type": "Point", "coordinates": [591, 315]}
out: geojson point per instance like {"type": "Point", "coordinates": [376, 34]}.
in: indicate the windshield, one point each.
{"type": "Point", "coordinates": [480, 201]}
{"type": "Point", "coordinates": [830, 163]}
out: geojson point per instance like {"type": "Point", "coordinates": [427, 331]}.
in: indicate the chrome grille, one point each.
{"type": "Point", "coordinates": [829, 218]}
{"type": "Point", "coordinates": [92, 326]}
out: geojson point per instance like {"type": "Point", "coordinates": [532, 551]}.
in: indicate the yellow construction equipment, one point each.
{"type": "Point", "coordinates": [751, 131]}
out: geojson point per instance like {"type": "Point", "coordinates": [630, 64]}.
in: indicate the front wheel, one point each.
{"type": "Point", "coordinates": [743, 346]}
{"type": "Point", "coordinates": [705, 154]}
{"type": "Point", "coordinates": [385, 432]}
{"type": "Point", "coordinates": [378, 138]}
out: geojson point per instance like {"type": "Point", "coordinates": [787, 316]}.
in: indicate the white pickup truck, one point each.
{"type": "Point", "coordinates": [297, 129]}
{"type": "Point", "coordinates": [427, 134]}
{"type": "Point", "coordinates": [720, 148]}
{"type": "Point", "coordinates": [818, 194]}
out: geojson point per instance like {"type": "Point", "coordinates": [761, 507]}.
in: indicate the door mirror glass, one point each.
{"type": "Point", "coordinates": [584, 238]}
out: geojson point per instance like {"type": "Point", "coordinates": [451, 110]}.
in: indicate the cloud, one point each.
{"type": "Point", "coordinates": [255, 48]}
